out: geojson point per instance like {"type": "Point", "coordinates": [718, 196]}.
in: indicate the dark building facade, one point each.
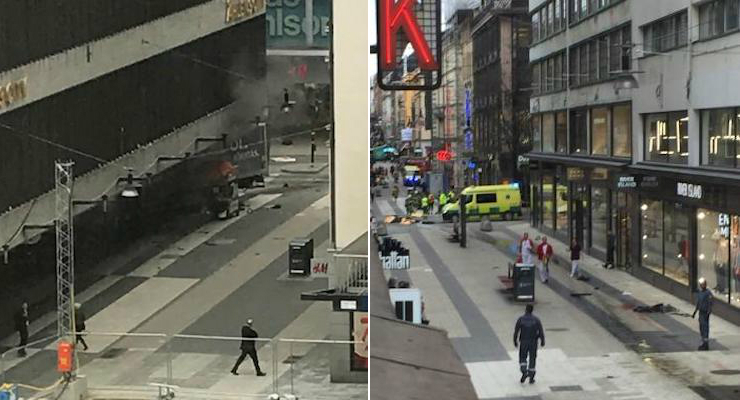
{"type": "Point", "coordinates": [501, 38]}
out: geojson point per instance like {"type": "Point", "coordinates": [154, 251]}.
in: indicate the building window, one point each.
{"type": "Point", "coordinates": [536, 133]}
{"type": "Point", "coordinates": [561, 132]}
{"type": "Point", "coordinates": [547, 20]}
{"type": "Point", "coordinates": [667, 137]}
{"type": "Point", "coordinates": [548, 132]}
{"type": "Point", "coordinates": [548, 201]}
{"type": "Point", "coordinates": [622, 130]}
{"type": "Point", "coordinates": [652, 235]}
{"type": "Point", "coordinates": [558, 15]}
{"type": "Point", "coordinates": [718, 17]}
{"type": "Point", "coordinates": [600, 128]}
{"type": "Point", "coordinates": [579, 134]}
{"type": "Point", "coordinates": [592, 61]}
{"type": "Point", "coordinates": [676, 244]}
{"type": "Point", "coordinates": [667, 33]}
{"type": "Point", "coordinates": [561, 205]}
{"type": "Point", "coordinates": [718, 253]}
{"type": "Point", "coordinates": [536, 78]}
{"type": "Point", "coordinates": [599, 217]}
{"type": "Point", "coordinates": [720, 137]}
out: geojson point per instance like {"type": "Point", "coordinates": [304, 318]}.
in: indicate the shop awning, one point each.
{"type": "Point", "coordinates": [578, 161]}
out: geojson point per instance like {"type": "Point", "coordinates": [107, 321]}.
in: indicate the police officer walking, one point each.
{"type": "Point", "coordinates": [80, 325]}
{"type": "Point", "coordinates": [21, 325]}
{"type": "Point", "coordinates": [704, 305]}
{"type": "Point", "coordinates": [527, 331]}
{"type": "Point", "coordinates": [248, 349]}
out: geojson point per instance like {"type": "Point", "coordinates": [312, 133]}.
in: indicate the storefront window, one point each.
{"type": "Point", "coordinates": [548, 132]}
{"type": "Point", "coordinates": [677, 246]}
{"type": "Point", "coordinates": [713, 248]}
{"type": "Point", "coordinates": [622, 130]}
{"type": "Point", "coordinates": [678, 131]}
{"type": "Point", "coordinates": [652, 235]}
{"type": "Point", "coordinates": [735, 260]}
{"type": "Point", "coordinates": [536, 133]}
{"type": "Point", "coordinates": [599, 130]}
{"type": "Point", "coordinates": [578, 133]}
{"type": "Point", "coordinates": [561, 204]}
{"type": "Point", "coordinates": [718, 130]}
{"type": "Point", "coordinates": [548, 201]}
{"type": "Point", "coordinates": [561, 132]}
{"type": "Point", "coordinates": [599, 217]}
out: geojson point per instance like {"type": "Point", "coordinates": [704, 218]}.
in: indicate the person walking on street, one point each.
{"type": "Point", "coordinates": [21, 325]}
{"type": "Point", "coordinates": [526, 249]}
{"type": "Point", "coordinates": [544, 252]}
{"type": "Point", "coordinates": [575, 258]}
{"type": "Point", "coordinates": [704, 301]}
{"type": "Point", "coordinates": [527, 331]}
{"type": "Point", "coordinates": [79, 325]}
{"type": "Point", "coordinates": [394, 193]}
{"type": "Point", "coordinates": [248, 349]}
{"type": "Point", "coordinates": [431, 203]}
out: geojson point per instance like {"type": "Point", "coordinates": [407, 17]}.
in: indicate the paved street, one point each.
{"type": "Point", "coordinates": [596, 347]}
{"type": "Point", "coordinates": [209, 282]}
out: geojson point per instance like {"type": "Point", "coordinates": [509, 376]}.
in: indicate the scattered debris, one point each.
{"type": "Point", "coordinates": [287, 142]}
{"type": "Point", "coordinates": [283, 159]}
{"type": "Point", "coordinates": [626, 293]}
{"type": "Point", "coordinates": [580, 294]}
{"type": "Point", "coordinates": [285, 185]}
{"type": "Point", "coordinates": [657, 308]}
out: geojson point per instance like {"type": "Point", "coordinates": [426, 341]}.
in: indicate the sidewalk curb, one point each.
{"type": "Point", "coordinates": [298, 169]}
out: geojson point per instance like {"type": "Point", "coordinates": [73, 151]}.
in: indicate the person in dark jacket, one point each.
{"type": "Point", "coordinates": [575, 258]}
{"type": "Point", "coordinates": [704, 305]}
{"type": "Point", "coordinates": [248, 349]}
{"type": "Point", "coordinates": [21, 325]}
{"type": "Point", "coordinates": [527, 331]}
{"type": "Point", "coordinates": [79, 325]}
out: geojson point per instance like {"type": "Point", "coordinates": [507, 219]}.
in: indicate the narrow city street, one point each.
{"type": "Point", "coordinates": [209, 282]}
{"type": "Point", "coordinates": [597, 347]}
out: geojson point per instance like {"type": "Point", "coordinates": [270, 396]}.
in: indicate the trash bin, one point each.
{"type": "Point", "coordinates": [523, 276]}
{"type": "Point", "coordinates": [300, 253]}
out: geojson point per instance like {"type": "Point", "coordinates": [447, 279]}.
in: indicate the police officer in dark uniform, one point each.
{"type": "Point", "coordinates": [704, 305]}
{"type": "Point", "coordinates": [527, 331]}
{"type": "Point", "coordinates": [21, 325]}
{"type": "Point", "coordinates": [248, 349]}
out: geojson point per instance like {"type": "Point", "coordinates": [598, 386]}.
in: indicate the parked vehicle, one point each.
{"type": "Point", "coordinates": [496, 201]}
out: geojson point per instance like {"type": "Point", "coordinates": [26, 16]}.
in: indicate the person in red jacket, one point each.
{"type": "Point", "coordinates": [544, 252]}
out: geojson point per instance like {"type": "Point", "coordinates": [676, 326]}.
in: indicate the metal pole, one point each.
{"type": "Point", "coordinates": [168, 350]}
{"type": "Point", "coordinates": [267, 148]}
{"type": "Point", "coordinates": [463, 218]}
{"type": "Point", "coordinates": [292, 361]}
{"type": "Point", "coordinates": [64, 252]}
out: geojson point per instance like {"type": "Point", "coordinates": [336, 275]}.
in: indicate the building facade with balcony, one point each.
{"type": "Point", "coordinates": [636, 140]}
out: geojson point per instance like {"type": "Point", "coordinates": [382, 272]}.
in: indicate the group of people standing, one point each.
{"type": "Point", "coordinates": [543, 253]}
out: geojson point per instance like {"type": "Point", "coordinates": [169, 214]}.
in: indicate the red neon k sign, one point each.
{"type": "Point", "coordinates": [394, 15]}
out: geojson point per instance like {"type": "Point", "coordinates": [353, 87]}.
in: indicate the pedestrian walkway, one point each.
{"type": "Point", "coordinates": [596, 347]}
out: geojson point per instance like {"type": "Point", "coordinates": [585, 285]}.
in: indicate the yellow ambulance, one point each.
{"type": "Point", "coordinates": [496, 201]}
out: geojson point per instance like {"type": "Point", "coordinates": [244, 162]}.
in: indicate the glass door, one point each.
{"type": "Point", "coordinates": [621, 224]}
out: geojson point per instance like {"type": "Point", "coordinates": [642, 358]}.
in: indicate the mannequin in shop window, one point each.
{"type": "Point", "coordinates": [720, 262]}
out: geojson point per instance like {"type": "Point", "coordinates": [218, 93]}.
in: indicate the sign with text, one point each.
{"type": "Point", "coordinates": [319, 267]}
{"type": "Point", "coordinates": [393, 255]}
{"type": "Point", "coordinates": [409, 23]}
{"type": "Point", "coordinates": [575, 174]}
{"type": "Point", "coordinates": [688, 190]}
{"type": "Point", "coordinates": [237, 10]}
{"type": "Point", "coordinates": [407, 134]}
{"type": "Point", "coordinates": [298, 24]}
{"type": "Point", "coordinates": [626, 182]}
{"type": "Point", "coordinates": [12, 92]}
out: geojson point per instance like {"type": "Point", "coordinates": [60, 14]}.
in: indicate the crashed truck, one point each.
{"type": "Point", "coordinates": [213, 180]}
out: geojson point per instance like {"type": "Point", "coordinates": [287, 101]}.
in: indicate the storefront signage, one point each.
{"type": "Point", "coordinates": [359, 334]}
{"type": "Point", "coordinates": [297, 24]}
{"type": "Point", "coordinates": [649, 182]}
{"type": "Point", "coordinates": [240, 9]}
{"type": "Point", "coordinates": [626, 182]}
{"type": "Point", "coordinates": [575, 174]}
{"type": "Point", "coordinates": [12, 93]}
{"type": "Point", "coordinates": [599, 174]}
{"type": "Point", "coordinates": [319, 267]}
{"type": "Point", "coordinates": [688, 190]}
{"type": "Point", "coordinates": [395, 261]}
{"type": "Point", "coordinates": [407, 134]}
{"type": "Point", "coordinates": [723, 220]}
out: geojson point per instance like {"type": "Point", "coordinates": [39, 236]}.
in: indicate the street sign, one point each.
{"type": "Point", "coordinates": [297, 26]}
{"type": "Point", "coordinates": [417, 23]}
{"type": "Point", "coordinates": [407, 134]}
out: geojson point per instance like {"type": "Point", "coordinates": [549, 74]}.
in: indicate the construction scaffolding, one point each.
{"type": "Point", "coordinates": [64, 250]}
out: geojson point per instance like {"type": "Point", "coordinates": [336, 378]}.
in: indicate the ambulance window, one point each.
{"type": "Point", "coordinates": [486, 198]}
